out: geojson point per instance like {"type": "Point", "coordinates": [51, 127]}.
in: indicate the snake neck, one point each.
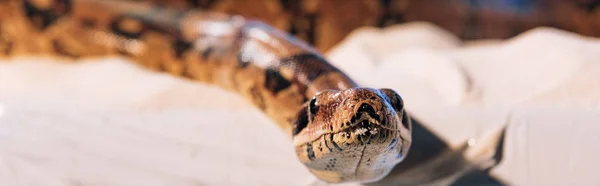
{"type": "Point", "coordinates": [276, 72]}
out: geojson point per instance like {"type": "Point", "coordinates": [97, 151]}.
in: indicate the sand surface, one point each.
{"type": "Point", "coordinates": [107, 122]}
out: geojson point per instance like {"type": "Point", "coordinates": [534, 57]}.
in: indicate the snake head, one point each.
{"type": "Point", "coordinates": [354, 135]}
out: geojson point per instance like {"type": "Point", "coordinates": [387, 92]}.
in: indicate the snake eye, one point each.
{"type": "Point", "coordinates": [312, 106]}
{"type": "Point", "coordinates": [395, 99]}
{"type": "Point", "coordinates": [398, 104]}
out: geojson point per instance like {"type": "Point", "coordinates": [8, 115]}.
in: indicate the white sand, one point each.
{"type": "Point", "coordinates": [106, 122]}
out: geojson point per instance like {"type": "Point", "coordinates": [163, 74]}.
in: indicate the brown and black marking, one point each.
{"type": "Point", "coordinates": [335, 145]}
{"type": "Point", "coordinates": [275, 82]}
{"type": "Point", "coordinates": [128, 26]}
{"type": "Point", "coordinates": [301, 122]}
{"type": "Point", "coordinates": [43, 15]}
{"type": "Point", "coordinates": [307, 68]}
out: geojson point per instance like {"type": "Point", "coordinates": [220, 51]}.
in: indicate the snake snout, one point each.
{"type": "Point", "coordinates": [357, 134]}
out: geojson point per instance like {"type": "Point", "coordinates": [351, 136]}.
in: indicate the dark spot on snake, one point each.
{"type": "Point", "coordinates": [405, 120]}
{"type": "Point", "coordinates": [392, 144]}
{"type": "Point", "coordinates": [201, 4]}
{"type": "Point", "coordinates": [329, 148]}
{"type": "Point", "coordinates": [181, 46]}
{"type": "Point", "coordinates": [117, 27]}
{"type": "Point", "coordinates": [331, 127]}
{"type": "Point", "coordinates": [301, 122]}
{"type": "Point", "coordinates": [206, 53]}
{"type": "Point", "coordinates": [401, 154]}
{"type": "Point", "coordinates": [275, 82]}
{"type": "Point", "coordinates": [355, 117]}
{"type": "Point", "coordinates": [302, 21]}
{"type": "Point", "coordinates": [309, 152]}
{"type": "Point", "coordinates": [384, 134]}
{"type": "Point", "coordinates": [366, 108]}
{"type": "Point", "coordinates": [334, 144]}
{"type": "Point", "coordinates": [42, 17]}
{"type": "Point", "coordinates": [59, 48]}
{"type": "Point", "coordinates": [88, 23]}
{"type": "Point", "coordinates": [359, 137]}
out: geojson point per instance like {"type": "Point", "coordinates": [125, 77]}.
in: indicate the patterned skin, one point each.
{"type": "Point", "coordinates": [341, 132]}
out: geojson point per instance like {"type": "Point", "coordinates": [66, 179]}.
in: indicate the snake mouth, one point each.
{"type": "Point", "coordinates": [364, 130]}
{"type": "Point", "coordinates": [362, 127]}
{"type": "Point", "coordinates": [365, 121]}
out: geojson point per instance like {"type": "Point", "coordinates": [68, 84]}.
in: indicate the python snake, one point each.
{"type": "Point", "coordinates": [341, 132]}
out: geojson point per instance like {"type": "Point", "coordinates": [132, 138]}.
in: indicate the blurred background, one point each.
{"type": "Point", "coordinates": [324, 23]}
{"type": "Point", "coordinates": [520, 110]}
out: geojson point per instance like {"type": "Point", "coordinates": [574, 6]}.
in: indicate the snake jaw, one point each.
{"type": "Point", "coordinates": [356, 135]}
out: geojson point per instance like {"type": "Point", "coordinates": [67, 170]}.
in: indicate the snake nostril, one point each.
{"type": "Point", "coordinates": [366, 108]}
{"type": "Point", "coordinates": [395, 99]}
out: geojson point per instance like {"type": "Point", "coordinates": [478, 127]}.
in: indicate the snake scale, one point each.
{"type": "Point", "coordinates": [341, 132]}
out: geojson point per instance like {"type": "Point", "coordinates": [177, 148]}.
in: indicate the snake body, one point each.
{"type": "Point", "coordinates": [341, 132]}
